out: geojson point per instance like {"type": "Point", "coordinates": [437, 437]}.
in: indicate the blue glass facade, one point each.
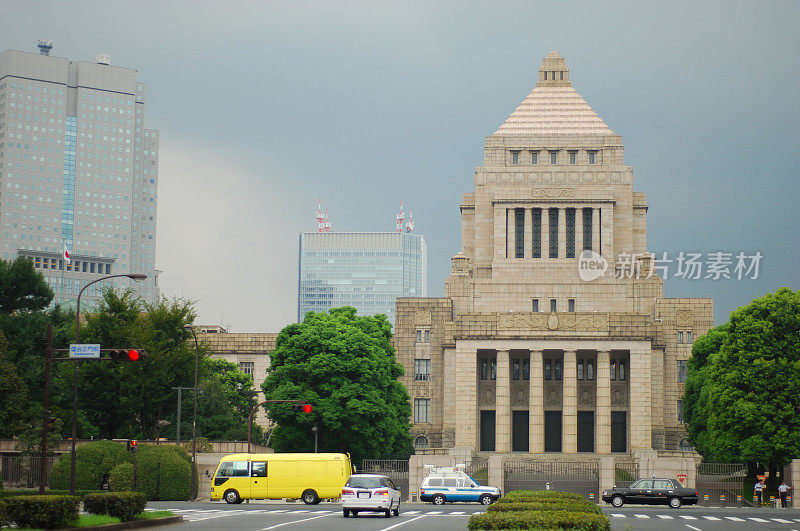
{"type": "Point", "coordinates": [368, 271]}
{"type": "Point", "coordinates": [68, 195]}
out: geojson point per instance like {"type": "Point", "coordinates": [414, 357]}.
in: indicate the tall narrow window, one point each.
{"type": "Point", "coordinates": [621, 370]}
{"type": "Point", "coordinates": [587, 228]}
{"type": "Point", "coordinates": [484, 369]}
{"type": "Point", "coordinates": [590, 369]}
{"type": "Point", "coordinates": [515, 370]}
{"type": "Point", "coordinates": [557, 369]}
{"type": "Point", "coordinates": [534, 305]}
{"type": "Point", "coordinates": [570, 215]}
{"type": "Point", "coordinates": [422, 409]}
{"type": "Point", "coordinates": [680, 411]}
{"type": "Point", "coordinates": [688, 336]}
{"type": "Point", "coordinates": [580, 369]}
{"type": "Point", "coordinates": [526, 369]}
{"type": "Point", "coordinates": [519, 233]}
{"type": "Point", "coordinates": [613, 369]}
{"type": "Point", "coordinates": [548, 369]}
{"type": "Point", "coordinates": [422, 370]}
{"type": "Point", "coordinates": [537, 232]}
{"type": "Point", "coordinates": [592, 155]}
{"type": "Point", "coordinates": [573, 157]}
{"type": "Point", "coordinates": [680, 337]}
{"type": "Point", "coordinates": [553, 214]}
{"type": "Point", "coordinates": [493, 369]}
{"type": "Point", "coordinates": [553, 305]}
{"type": "Point", "coordinates": [534, 157]}
{"type": "Point", "coordinates": [553, 157]}
{"type": "Point", "coordinates": [570, 305]}
{"type": "Point", "coordinates": [515, 157]}
{"type": "Point", "coordinates": [682, 371]}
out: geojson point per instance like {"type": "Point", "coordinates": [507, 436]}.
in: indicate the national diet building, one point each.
{"type": "Point", "coordinates": [554, 336]}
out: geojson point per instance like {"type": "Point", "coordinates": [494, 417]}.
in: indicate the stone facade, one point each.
{"type": "Point", "coordinates": [529, 352]}
{"type": "Point", "coordinates": [250, 351]}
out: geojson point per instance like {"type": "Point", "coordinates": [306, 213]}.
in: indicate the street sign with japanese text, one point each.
{"type": "Point", "coordinates": [84, 351]}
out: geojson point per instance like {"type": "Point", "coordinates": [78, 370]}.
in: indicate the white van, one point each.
{"type": "Point", "coordinates": [452, 484]}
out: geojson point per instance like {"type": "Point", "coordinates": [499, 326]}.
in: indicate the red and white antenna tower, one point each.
{"type": "Point", "coordinates": [410, 224]}
{"type": "Point", "coordinates": [400, 218]}
{"type": "Point", "coordinates": [322, 219]}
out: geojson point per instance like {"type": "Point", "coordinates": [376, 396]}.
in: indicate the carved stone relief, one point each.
{"type": "Point", "coordinates": [519, 394]}
{"type": "Point", "coordinates": [552, 396]}
{"type": "Point", "coordinates": [586, 395]}
{"type": "Point", "coordinates": [422, 317]}
{"type": "Point", "coordinates": [619, 396]}
{"type": "Point", "coordinates": [684, 319]}
{"type": "Point", "coordinates": [486, 396]}
{"type": "Point", "coordinates": [541, 321]}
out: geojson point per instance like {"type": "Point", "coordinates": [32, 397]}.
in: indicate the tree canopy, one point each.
{"type": "Point", "coordinates": [344, 365]}
{"type": "Point", "coordinates": [742, 394]}
{"type": "Point", "coordinates": [22, 287]}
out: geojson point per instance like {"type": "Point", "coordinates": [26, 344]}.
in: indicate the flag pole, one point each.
{"type": "Point", "coordinates": [63, 265]}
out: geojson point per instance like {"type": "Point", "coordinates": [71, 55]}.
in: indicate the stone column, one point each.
{"type": "Point", "coordinates": [499, 232]}
{"type": "Point", "coordinates": [578, 232]}
{"type": "Point", "coordinates": [569, 441]}
{"type": "Point", "coordinates": [562, 232]}
{"type": "Point", "coordinates": [503, 404]}
{"type": "Point", "coordinates": [545, 232]}
{"type": "Point", "coordinates": [467, 385]}
{"type": "Point", "coordinates": [528, 233]}
{"type": "Point", "coordinates": [536, 400]}
{"type": "Point", "coordinates": [602, 427]}
{"type": "Point", "coordinates": [607, 226]}
{"type": "Point", "coordinates": [640, 399]}
{"type": "Point", "coordinates": [596, 230]}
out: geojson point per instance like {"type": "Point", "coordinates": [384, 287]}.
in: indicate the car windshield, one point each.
{"type": "Point", "coordinates": [364, 482]}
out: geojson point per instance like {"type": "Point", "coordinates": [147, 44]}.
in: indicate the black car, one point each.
{"type": "Point", "coordinates": [654, 491]}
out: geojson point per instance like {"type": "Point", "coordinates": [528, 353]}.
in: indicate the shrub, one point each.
{"type": "Point", "coordinates": [123, 505]}
{"type": "Point", "coordinates": [548, 505]}
{"type": "Point", "coordinates": [121, 478]}
{"type": "Point", "coordinates": [539, 520]}
{"type": "Point", "coordinates": [35, 492]}
{"type": "Point", "coordinates": [48, 512]}
{"type": "Point", "coordinates": [93, 461]}
{"type": "Point", "coordinates": [2, 513]}
{"type": "Point", "coordinates": [162, 473]}
{"type": "Point", "coordinates": [539, 495]}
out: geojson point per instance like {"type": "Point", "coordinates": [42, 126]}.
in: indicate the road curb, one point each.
{"type": "Point", "coordinates": [132, 524]}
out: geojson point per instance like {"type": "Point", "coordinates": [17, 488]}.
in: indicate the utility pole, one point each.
{"type": "Point", "coordinates": [180, 392]}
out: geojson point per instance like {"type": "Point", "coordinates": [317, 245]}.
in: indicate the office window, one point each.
{"type": "Point", "coordinates": [422, 370]}
{"type": "Point", "coordinates": [519, 233]}
{"type": "Point", "coordinates": [680, 337]}
{"type": "Point", "coordinates": [570, 219]}
{"type": "Point", "coordinates": [553, 214]}
{"type": "Point", "coordinates": [592, 155]}
{"type": "Point", "coordinates": [247, 367]}
{"type": "Point", "coordinates": [493, 369]}
{"type": "Point", "coordinates": [683, 370]}
{"type": "Point", "coordinates": [537, 232]}
{"type": "Point", "coordinates": [526, 369]}
{"type": "Point", "coordinates": [419, 336]}
{"type": "Point", "coordinates": [515, 157]}
{"type": "Point", "coordinates": [621, 370]}
{"type": "Point", "coordinates": [613, 369]}
{"type": "Point", "coordinates": [553, 157]}
{"type": "Point", "coordinates": [421, 442]}
{"type": "Point", "coordinates": [426, 336]}
{"type": "Point", "coordinates": [515, 370]}
{"type": "Point", "coordinates": [557, 369]}
{"type": "Point", "coordinates": [587, 229]}
{"type": "Point", "coordinates": [484, 369]}
{"type": "Point", "coordinates": [548, 369]}
{"type": "Point", "coordinates": [534, 305]}
{"type": "Point", "coordinates": [590, 369]}
{"type": "Point", "coordinates": [573, 157]}
{"type": "Point", "coordinates": [534, 157]}
{"type": "Point", "coordinates": [688, 336]}
{"type": "Point", "coordinates": [422, 409]}
{"type": "Point", "coordinates": [580, 369]}
{"type": "Point", "coordinates": [553, 305]}
{"type": "Point", "coordinates": [570, 305]}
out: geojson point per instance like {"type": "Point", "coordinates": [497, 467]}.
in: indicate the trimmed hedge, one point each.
{"type": "Point", "coordinates": [48, 512]}
{"type": "Point", "coordinates": [4, 494]}
{"type": "Point", "coordinates": [539, 520]}
{"type": "Point", "coordinates": [93, 461]}
{"type": "Point", "coordinates": [123, 505]}
{"type": "Point", "coordinates": [549, 505]}
{"type": "Point", "coordinates": [2, 513]}
{"type": "Point", "coordinates": [121, 478]}
{"type": "Point", "coordinates": [536, 495]}
{"type": "Point", "coordinates": [162, 473]}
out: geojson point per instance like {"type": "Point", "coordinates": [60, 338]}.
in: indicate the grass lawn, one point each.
{"type": "Point", "coordinates": [91, 520]}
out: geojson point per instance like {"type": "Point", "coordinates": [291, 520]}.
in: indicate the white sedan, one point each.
{"type": "Point", "coordinates": [370, 493]}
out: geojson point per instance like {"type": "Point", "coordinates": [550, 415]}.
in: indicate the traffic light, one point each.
{"type": "Point", "coordinates": [302, 408]}
{"type": "Point", "coordinates": [127, 354]}
{"type": "Point", "coordinates": [133, 444]}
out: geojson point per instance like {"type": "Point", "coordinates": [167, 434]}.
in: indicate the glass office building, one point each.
{"type": "Point", "coordinates": [366, 270]}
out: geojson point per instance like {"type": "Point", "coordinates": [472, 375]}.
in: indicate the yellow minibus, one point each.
{"type": "Point", "coordinates": [310, 477]}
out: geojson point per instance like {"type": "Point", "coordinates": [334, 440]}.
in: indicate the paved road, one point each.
{"type": "Point", "coordinates": [265, 516]}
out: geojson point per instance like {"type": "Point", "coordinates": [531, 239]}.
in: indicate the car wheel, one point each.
{"type": "Point", "coordinates": [310, 497]}
{"type": "Point", "coordinates": [675, 503]}
{"type": "Point", "coordinates": [387, 513]}
{"type": "Point", "coordinates": [439, 499]}
{"type": "Point", "coordinates": [355, 514]}
{"type": "Point", "coordinates": [231, 496]}
{"type": "Point", "coordinates": [345, 512]}
{"type": "Point", "coordinates": [397, 511]}
{"type": "Point", "coordinates": [617, 501]}
{"type": "Point", "coordinates": [486, 499]}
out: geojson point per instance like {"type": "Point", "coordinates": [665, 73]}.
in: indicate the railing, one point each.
{"type": "Point", "coordinates": [721, 484]}
{"type": "Point", "coordinates": [394, 469]}
{"type": "Point", "coordinates": [24, 471]}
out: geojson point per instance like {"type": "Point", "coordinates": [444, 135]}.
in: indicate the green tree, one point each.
{"type": "Point", "coordinates": [344, 365]}
{"type": "Point", "coordinates": [22, 287]}
{"type": "Point", "coordinates": [746, 399]}
{"type": "Point", "coordinates": [13, 394]}
{"type": "Point", "coordinates": [224, 407]}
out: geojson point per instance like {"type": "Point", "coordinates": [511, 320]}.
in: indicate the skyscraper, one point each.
{"type": "Point", "coordinates": [366, 270]}
{"type": "Point", "coordinates": [78, 171]}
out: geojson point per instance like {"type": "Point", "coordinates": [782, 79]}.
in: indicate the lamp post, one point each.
{"type": "Point", "coordinates": [315, 431]}
{"type": "Point", "coordinates": [133, 276]}
{"type": "Point", "coordinates": [194, 415]}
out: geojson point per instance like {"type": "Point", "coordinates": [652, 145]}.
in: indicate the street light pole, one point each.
{"type": "Point", "coordinates": [133, 276]}
{"type": "Point", "coordinates": [315, 430]}
{"type": "Point", "coordinates": [194, 420]}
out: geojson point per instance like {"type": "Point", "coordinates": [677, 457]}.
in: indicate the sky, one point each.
{"type": "Point", "coordinates": [265, 107]}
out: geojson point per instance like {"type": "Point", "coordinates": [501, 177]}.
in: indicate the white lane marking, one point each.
{"type": "Point", "coordinates": [664, 516]}
{"type": "Point", "coordinates": [692, 527]}
{"type": "Point", "coordinates": [458, 512]}
{"type": "Point", "coordinates": [410, 512]}
{"type": "Point", "coordinates": [711, 518]}
{"type": "Point", "coordinates": [402, 523]}
{"type": "Point", "coordinates": [617, 515]}
{"type": "Point", "coordinates": [687, 517]}
{"type": "Point", "coordinates": [781, 521]}
{"type": "Point", "coordinates": [278, 511]}
{"type": "Point", "coordinates": [295, 521]}
{"type": "Point", "coordinates": [641, 516]}
{"type": "Point", "coordinates": [734, 519]}
{"type": "Point", "coordinates": [759, 520]}
{"type": "Point", "coordinates": [434, 512]}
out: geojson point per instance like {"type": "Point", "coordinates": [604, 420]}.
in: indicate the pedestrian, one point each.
{"type": "Point", "coordinates": [783, 490]}
{"type": "Point", "coordinates": [758, 490]}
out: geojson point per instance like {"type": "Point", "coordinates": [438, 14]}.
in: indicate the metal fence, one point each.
{"type": "Point", "coordinates": [721, 484]}
{"type": "Point", "coordinates": [625, 473]}
{"type": "Point", "coordinates": [394, 469]}
{"type": "Point", "coordinates": [478, 469]}
{"type": "Point", "coordinates": [581, 477]}
{"type": "Point", "coordinates": [24, 472]}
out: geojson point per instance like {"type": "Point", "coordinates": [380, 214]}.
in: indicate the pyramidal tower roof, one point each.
{"type": "Point", "coordinates": [553, 108]}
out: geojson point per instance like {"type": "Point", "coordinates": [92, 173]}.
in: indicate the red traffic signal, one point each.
{"type": "Point", "coordinates": [127, 354]}
{"type": "Point", "coordinates": [133, 444]}
{"type": "Point", "coordinates": [302, 408]}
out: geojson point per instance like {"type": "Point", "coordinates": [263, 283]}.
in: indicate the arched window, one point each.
{"type": "Point", "coordinates": [685, 446]}
{"type": "Point", "coordinates": [421, 442]}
